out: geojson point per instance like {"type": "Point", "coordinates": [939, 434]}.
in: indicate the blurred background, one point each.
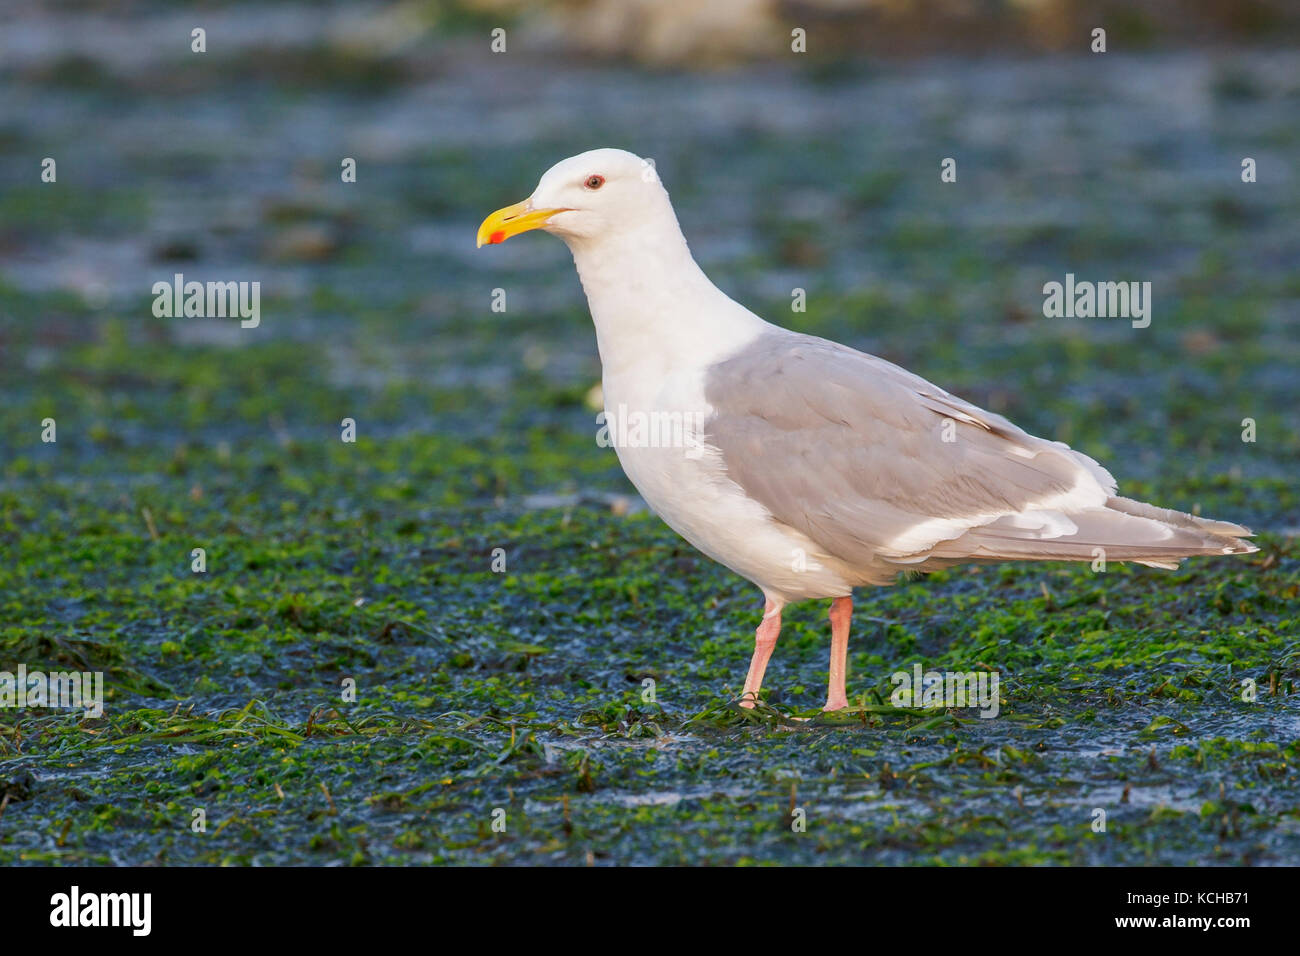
{"type": "Point", "coordinates": [816, 170]}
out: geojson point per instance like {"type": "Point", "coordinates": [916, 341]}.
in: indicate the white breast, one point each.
{"type": "Point", "coordinates": [660, 323]}
{"type": "Point", "coordinates": [683, 480]}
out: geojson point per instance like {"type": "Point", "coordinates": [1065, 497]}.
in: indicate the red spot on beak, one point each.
{"type": "Point", "coordinates": [498, 236]}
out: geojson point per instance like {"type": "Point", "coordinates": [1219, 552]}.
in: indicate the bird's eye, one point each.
{"type": "Point", "coordinates": [594, 182]}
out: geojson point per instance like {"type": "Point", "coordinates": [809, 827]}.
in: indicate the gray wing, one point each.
{"type": "Point", "coordinates": [886, 471]}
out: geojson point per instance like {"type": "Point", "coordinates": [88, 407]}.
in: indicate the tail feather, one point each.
{"type": "Point", "coordinates": [1179, 519]}
{"type": "Point", "coordinates": [1122, 530]}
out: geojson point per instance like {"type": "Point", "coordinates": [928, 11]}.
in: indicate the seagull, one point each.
{"type": "Point", "coordinates": [803, 465]}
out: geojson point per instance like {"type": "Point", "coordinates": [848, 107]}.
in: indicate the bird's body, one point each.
{"type": "Point", "coordinates": [656, 355]}
{"type": "Point", "coordinates": [805, 466]}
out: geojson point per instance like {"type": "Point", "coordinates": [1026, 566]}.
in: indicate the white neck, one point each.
{"type": "Point", "coordinates": [653, 307]}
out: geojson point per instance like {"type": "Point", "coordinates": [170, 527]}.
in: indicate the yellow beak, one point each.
{"type": "Point", "coordinates": [512, 220]}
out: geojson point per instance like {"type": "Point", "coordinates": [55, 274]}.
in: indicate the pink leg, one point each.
{"type": "Point", "coordinates": [841, 617]}
{"type": "Point", "coordinates": [764, 644]}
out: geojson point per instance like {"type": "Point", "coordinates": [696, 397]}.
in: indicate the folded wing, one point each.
{"type": "Point", "coordinates": [887, 471]}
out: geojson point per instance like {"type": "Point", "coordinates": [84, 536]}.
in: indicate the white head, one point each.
{"type": "Point", "coordinates": [592, 195]}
